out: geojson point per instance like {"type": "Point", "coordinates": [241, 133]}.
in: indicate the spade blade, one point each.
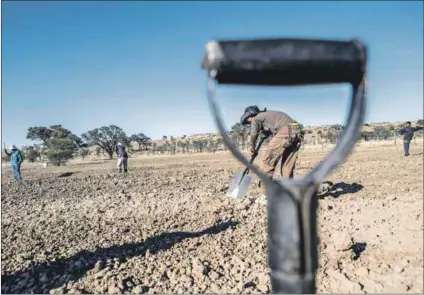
{"type": "Point", "coordinates": [239, 186]}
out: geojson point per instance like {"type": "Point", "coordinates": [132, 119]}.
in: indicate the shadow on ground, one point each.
{"type": "Point", "coordinates": [92, 163]}
{"type": "Point", "coordinates": [61, 271]}
{"type": "Point", "coordinates": [339, 189]}
{"type": "Point", "coordinates": [357, 248]}
{"type": "Point", "coordinates": [66, 174]}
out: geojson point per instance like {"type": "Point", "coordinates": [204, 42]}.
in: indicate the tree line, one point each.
{"type": "Point", "coordinates": [58, 144]}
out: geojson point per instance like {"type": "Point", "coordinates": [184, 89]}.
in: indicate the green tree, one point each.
{"type": "Point", "coordinates": [172, 145]}
{"type": "Point", "coordinates": [366, 135]}
{"type": "Point", "coordinates": [106, 137]}
{"type": "Point", "coordinates": [382, 132]}
{"type": "Point", "coordinates": [337, 127]}
{"type": "Point", "coordinates": [44, 134]}
{"type": "Point", "coordinates": [195, 145]}
{"type": "Point", "coordinates": [40, 150]}
{"type": "Point", "coordinates": [143, 141]}
{"type": "Point", "coordinates": [162, 149]}
{"type": "Point", "coordinates": [168, 147]}
{"type": "Point", "coordinates": [98, 151]}
{"type": "Point", "coordinates": [203, 145]}
{"type": "Point", "coordinates": [212, 145]}
{"type": "Point", "coordinates": [332, 135]}
{"type": "Point", "coordinates": [58, 143]}
{"type": "Point", "coordinates": [219, 143]}
{"type": "Point", "coordinates": [31, 153]}
{"type": "Point", "coordinates": [84, 152]}
{"type": "Point", "coordinates": [185, 147]}
{"type": "Point", "coordinates": [180, 146]}
{"type": "Point", "coordinates": [60, 150]}
{"type": "Point", "coordinates": [242, 132]}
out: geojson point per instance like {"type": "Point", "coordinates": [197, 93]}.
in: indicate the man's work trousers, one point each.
{"type": "Point", "coordinates": [406, 147]}
{"type": "Point", "coordinates": [122, 163]}
{"type": "Point", "coordinates": [16, 169]}
{"type": "Point", "coordinates": [275, 152]}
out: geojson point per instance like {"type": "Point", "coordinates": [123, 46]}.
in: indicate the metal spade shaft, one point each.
{"type": "Point", "coordinates": [292, 203]}
{"type": "Point", "coordinates": [253, 157]}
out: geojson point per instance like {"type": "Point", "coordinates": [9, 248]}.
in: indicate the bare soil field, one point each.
{"type": "Point", "coordinates": [167, 226]}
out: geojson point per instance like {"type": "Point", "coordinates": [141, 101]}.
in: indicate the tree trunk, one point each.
{"type": "Point", "coordinates": [110, 154]}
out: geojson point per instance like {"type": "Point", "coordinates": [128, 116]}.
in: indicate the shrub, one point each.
{"type": "Point", "coordinates": [60, 150]}
{"type": "Point", "coordinates": [31, 154]}
{"type": "Point", "coordinates": [84, 152]}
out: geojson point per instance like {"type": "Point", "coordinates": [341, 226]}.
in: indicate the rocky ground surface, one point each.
{"type": "Point", "coordinates": [167, 227]}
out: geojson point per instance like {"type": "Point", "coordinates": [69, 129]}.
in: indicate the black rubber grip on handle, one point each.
{"type": "Point", "coordinates": [279, 62]}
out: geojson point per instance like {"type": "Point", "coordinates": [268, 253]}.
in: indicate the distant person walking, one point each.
{"type": "Point", "coordinates": [16, 160]}
{"type": "Point", "coordinates": [122, 158]}
{"type": "Point", "coordinates": [408, 134]}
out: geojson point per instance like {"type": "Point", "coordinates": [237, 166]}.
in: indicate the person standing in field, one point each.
{"type": "Point", "coordinates": [284, 145]}
{"type": "Point", "coordinates": [16, 160]}
{"type": "Point", "coordinates": [122, 157]}
{"type": "Point", "coordinates": [408, 133]}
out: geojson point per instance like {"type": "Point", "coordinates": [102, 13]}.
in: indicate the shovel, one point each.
{"type": "Point", "coordinates": [292, 203]}
{"type": "Point", "coordinates": [241, 181]}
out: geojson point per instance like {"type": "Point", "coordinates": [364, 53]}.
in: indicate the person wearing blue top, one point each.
{"type": "Point", "coordinates": [408, 133]}
{"type": "Point", "coordinates": [16, 160]}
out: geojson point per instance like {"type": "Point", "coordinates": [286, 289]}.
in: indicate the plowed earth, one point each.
{"type": "Point", "coordinates": [167, 227]}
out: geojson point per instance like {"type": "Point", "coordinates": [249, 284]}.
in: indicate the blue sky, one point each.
{"type": "Point", "coordinates": [137, 64]}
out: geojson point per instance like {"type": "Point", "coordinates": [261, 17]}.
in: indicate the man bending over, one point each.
{"type": "Point", "coordinates": [285, 142]}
